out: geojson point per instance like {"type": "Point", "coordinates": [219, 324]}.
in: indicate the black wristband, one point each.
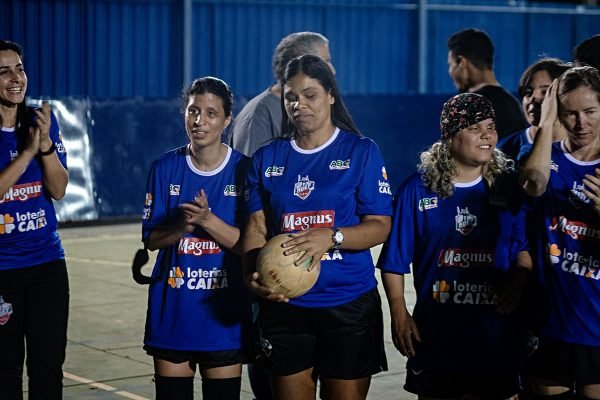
{"type": "Point", "coordinates": [51, 150]}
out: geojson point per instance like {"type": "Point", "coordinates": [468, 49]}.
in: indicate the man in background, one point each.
{"type": "Point", "coordinates": [259, 121]}
{"type": "Point", "coordinates": [588, 52]}
{"type": "Point", "coordinates": [470, 65]}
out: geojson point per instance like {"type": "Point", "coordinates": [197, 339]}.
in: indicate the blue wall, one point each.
{"type": "Point", "coordinates": [128, 48]}
{"type": "Point", "coordinates": [129, 58]}
{"type": "Point", "coordinates": [127, 135]}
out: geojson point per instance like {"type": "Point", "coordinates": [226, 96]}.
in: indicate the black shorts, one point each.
{"type": "Point", "coordinates": [567, 364]}
{"type": "Point", "coordinates": [452, 385]}
{"type": "Point", "coordinates": [343, 342]}
{"type": "Point", "coordinates": [205, 359]}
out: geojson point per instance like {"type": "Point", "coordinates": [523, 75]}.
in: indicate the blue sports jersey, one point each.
{"type": "Point", "coordinates": [331, 186]}
{"type": "Point", "coordinates": [28, 222]}
{"type": "Point", "coordinates": [569, 259]}
{"type": "Point", "coordinates": [459, 247]}
{"type": "Point", "coordinates": [512, 144]}
{"type": "Point", "coordinates": [201, 304]}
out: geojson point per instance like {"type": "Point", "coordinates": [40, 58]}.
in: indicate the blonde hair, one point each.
{"type": "Point", "coordinates": [438, 168]}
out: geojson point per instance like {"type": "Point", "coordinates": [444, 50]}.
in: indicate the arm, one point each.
{"type": "Point", "coordinates": [536, 169]}
{"type": "Point", "coordinates": [403, 327]}
{"type": "Point", "coordinates": [511, 287]}
{"type": "Point", "coordinates": [161, 228]}
{"type": "Point", "coordinates": [254, 238]}
{"type": "Point", "coordinates": [167, 233]}
{"type": "Point", "coordinates": [55, 176]}
{"type": "Point", "coordinates": [371, 231]}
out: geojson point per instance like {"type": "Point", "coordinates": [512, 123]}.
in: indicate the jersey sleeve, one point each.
{"type": "Point", "coordinates": [503, 141]}
{"type": "Point", "coordinates": [254, 197]}
{"type": "Point", "coordinates": [398, 251]}
{"type": "Point", "coordinates": [56, 138]}
{"type": "Point", "coordinates": [512, 237]}
{"type": "Point", "coordinates": [519, 240]}
{"type": "Point", "coordinates": [241, 180]}
{"type": "Point", "coordinates": [524, 153]}
{"type": "Point", "coordinates": [154, 203]}
{"type": "Point", "coordinates": [374, 196]}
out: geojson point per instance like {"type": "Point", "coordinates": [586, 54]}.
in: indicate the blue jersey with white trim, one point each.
{"type": "Point", "coordinates": [331, 186]}
{"type": "Point", "coordinates": [569, 237]}
{"type": "Point", "coordinates": [459, 246]}
{"type": "Point", "coordinates": [28, 221]}
{"type": "Point", "coordinates": [201, 304]}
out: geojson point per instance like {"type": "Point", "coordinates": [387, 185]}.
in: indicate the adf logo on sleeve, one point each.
{"type": "Point", "coordinates": [174, 190]}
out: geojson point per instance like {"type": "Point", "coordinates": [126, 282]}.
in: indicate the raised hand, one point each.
{"type": "Point", "coordinates": [550, 105]}
{"type": "Point", "coordinates": [33, 141]}
{"type": "Point", "coordinates": [197, 212]}
{"type": "Point", "coordinates": [43, 121]}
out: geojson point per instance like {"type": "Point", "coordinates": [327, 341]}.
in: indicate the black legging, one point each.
{"type": "Point", "coordinates": [35, 311]}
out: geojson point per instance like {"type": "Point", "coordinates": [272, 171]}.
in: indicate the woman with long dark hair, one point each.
{"type": "Point", "coordinates": [34, 287]}
{"type": "Point", "coordinates": [327, 174]}
{"type": "Point", "coordinates": [198, 306]}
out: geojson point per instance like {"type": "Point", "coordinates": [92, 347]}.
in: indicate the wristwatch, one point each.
{"type": "Point", "coordinates": [337, 238]}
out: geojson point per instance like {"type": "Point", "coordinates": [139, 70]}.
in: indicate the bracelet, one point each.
{"type": "Point", "coordinates": [51, 150]}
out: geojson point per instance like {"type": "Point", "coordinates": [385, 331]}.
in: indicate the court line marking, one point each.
{"type": "Point", "coordinates": [104, 237]}
{"type": "Point", "coordinates": [98, 261]}
{"type": "Point", "coordinates": [103, 386]}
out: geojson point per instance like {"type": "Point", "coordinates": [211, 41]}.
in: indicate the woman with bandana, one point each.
{"type": "Point", "coordinates": [565, 178]}
{"type": "Point", "coordinates": [462, 229]}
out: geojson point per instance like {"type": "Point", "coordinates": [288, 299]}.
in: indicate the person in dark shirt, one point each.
{"type": "Point", "coordinates": [588, 52]}
{"type": "Point", "coordinates": [470, 65]}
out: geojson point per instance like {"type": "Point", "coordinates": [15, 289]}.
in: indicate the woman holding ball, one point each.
{"type": "Point", "coordinates": [326, 186]}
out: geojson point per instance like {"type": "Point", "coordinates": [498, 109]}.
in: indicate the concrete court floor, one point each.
{"type": "Point", "coordinates": [105, 359]}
